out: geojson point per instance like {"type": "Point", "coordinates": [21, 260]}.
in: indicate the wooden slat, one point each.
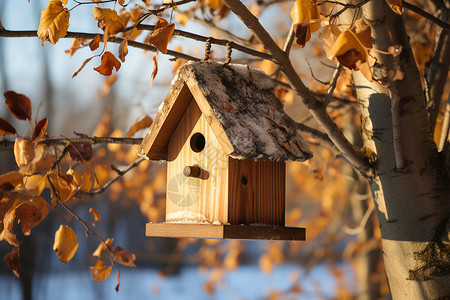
{"type": "Point", "coordinates": [210, 231]}
{"type": "Point", "coordinates": [157, 138]}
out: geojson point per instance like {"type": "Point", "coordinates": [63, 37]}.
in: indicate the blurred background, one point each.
{"type": "Point", "coordinates": [341, 258]}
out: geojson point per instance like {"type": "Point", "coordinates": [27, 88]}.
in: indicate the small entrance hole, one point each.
{"type": "Point", "coordinates": [244, 180]}
{"type": "Point", "coordinates": [198, 142]}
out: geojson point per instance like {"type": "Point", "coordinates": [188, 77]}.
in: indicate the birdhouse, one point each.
{"type": "Point", "coordinates": [225, 137]}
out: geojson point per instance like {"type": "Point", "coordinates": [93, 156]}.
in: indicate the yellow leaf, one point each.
{"type": "Point", "coordinates": [76, 44]}
{"type": "Point", "coordinates": [145, 122]}
{"type": "Point", "coordinates": [396, 6]}
{"type": "Point", "coordinates": [86, 182]}
{"type": "Point", "coordinates": [14, 178]}
{"type": "Point", "coordinates": [65, 243]}
{"type": "Point", "coordinates": [108, 63]}
{"type": "Point", "coordinates": [35, 183]}
{"type": "Point", "coordinates": [54, 22]}
{"type": "Point", "coordinates": [349, 50]}
{"type": "Point", "coordinates": [108, 20]}
{"type": "Point", "coordinates": [42, 162]}
{"type": "Point", "coordinates": [23, 152]}
{"type": "Point", "coordinates": [61, 186]}
{"type": "Point", "coordinates": [100, 272]}
{"type": "Point", "coordinates": [160, 37]}
{"type": "Point", "coordinates": [306, 19]}
{"type": "Point", "coordinates": [94, 212]}
{"type": "Point", "coordinates": [102, 247]}
{"type": "Point", "coordinates": [123, 50]}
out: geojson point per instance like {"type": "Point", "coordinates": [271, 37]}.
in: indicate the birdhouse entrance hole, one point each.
{"type": "Point", "coordinates": [198, 142]}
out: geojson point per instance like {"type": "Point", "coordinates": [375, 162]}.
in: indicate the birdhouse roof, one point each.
{"type": "Point", "coordinates": [241, 107]}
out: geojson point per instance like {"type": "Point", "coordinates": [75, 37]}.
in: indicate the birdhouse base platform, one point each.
{"type": "Point", "coordinates": [213, 231]}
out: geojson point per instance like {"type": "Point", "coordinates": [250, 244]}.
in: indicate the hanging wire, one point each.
{"type": "Point", "coordinates": [207, 49]}
{"type": "Point", "coordinates": [228, 61]}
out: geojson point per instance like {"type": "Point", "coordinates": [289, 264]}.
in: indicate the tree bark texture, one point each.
{"type": "Point", "coordinates": [412, 200]}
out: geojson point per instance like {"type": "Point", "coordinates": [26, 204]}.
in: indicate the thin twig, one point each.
{"type": "Point", "coordinates": [289, 40]}
{"type": "Point", "coordinates": [363, 222]}
{"type": "Point", "coordinates": [445, 126]}
{"type": "Point", "coordinates": [314, 76]}
{"type": "Point", "coordinates": [332, 86]}
{"type": "Point", "coordinates": [6, 144]}
{"type": "Point", "coordinates": [426, 15]}
{"type": "Point", "coordinates": [119, 175]}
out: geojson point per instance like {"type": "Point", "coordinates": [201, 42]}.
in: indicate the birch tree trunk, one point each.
{"type": "Point", "coordinates": [411, 187]}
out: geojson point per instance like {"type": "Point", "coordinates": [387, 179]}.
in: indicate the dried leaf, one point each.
{"type": "Point", "coordinates": [160, 37]}
{"type": "Point", "coordinates": [30, 213]}
{"type": "Point", "coordinates": [6, 128]}
{"type": "Point", "coordinates": [42, 162]}
{"type": "Point", "coordinates": [108, 20]}
{"type": "Point", "coordinates": [145, 122]}
{"type": "Point", "coordinates": [100, 272]}
{"type": "Point", "coordinates": [14, 178]}
{"type": "Point", "coordinates": [102, 248]}
{"type": "Point", "coordinates": [94, 212]}
{"type": "Point", "coordinates": [76, 44]}
{"type": "Point", "coordinates": [396, 6]}
{"type": "Point", "coordinates": [13, 261]}
{"type": "Point", "coordinates": [95, 43]}
{"type": "Point", "coordinates": [123, 50]}
{"type": "Point", "coordinates": [108, 63]}
{"type": "Point", "coordinates": [81, 152]}
{"type": "Point", "coordinates": [61, 186]}
{"type": "Point", "coordinates": [123, 257]}
{"type": "Point", "coordinates": [82, 66]}
{"type": "Point", "coordinates": [306, 19]}
{"type": "Point", "coordinates": [39, 130]}
{"type": "Point", "coordinates": [65, 243]}
{"type": "Point", "coordinates": [86, 181]}
{"type": "Point", "coordinates": [155, 68]}
{"type": "Point", "coordinates": [329, 35]}
{"type": "Point", "coordinates": [54, 22]}
{"type": "Point", "coordinates": [35, 183]}
{"type": "Point", "coordinates": [23, 152]}
{"type": "Point", "coordinates": [19, 105]}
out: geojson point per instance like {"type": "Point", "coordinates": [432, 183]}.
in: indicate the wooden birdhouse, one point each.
{"type": "Point", "coordinates": [225, 137]}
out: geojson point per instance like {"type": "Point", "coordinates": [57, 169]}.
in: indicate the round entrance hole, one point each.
{"type": "Point", "coordinates": [198, 142]}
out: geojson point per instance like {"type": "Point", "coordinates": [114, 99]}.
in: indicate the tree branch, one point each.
{"type": "Point", "coordinates": [315, 107]}
{"type": "Point", "coordinates": [426, 15]}
{"type": "Point", "coordinates": [332, 86]}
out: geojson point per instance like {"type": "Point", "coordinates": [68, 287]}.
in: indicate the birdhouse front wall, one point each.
{"type": "Point", "coordinates": [197, 197]}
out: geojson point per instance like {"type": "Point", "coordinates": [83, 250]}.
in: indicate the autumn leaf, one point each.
{"type": "Point", "coordinates": [81, 152]}
{"type": "Point", "coordinates": [6, 128]}
{"type": "Point", "coordinates": [155, 68]}
{"type": "Point", "coordinates": [76, 44]}
{"type": "Point", "coordinates": [145, 122]}
{"type": "Point", "coordinates": [95, 43]}
{"type": "Point", "coordinates": [13, 178]}
{"type": "Point", "coordinates": [100, 272]}
{"type": "Point", "coordinates": [396, 6]}
{"type": "Point", "coordinates": [19, 105]}
{"type": "Point", "coordinates": [13, 261]}
{"type": "Point", "coordinates": [213, 4]}
{"type": "Point", "coordinates": [306, 19]}
{"type": "Point", "coordinates": [82, 66]}
{"type": "Point", "coordinates": [123, 257]}
{"type": "Point", "coordinates": [39, 130]}
{"type": "Point", "coordinates": [94, 212]}
{"type": "Point", "coordinates": [30, 213]}
{"type": "Point", "coordinates": [102, 247]}
{"type": "Point", "coordinates": [42, 162]}
{"type": "Point", "coordinates": [108, 63]}
{"type": "Point", "coordinates": [65, 243]}
{"type": "Point", "coordinates": [59, 185]}
{"type": "Point", "coordinates": [23, 152]}
{"type": "Point", "coordinates": [123, 50]}
{"type": "Point", "coordinates": [54, 22]}
{"type": "Point", "coordinates": [35, 183]}
{"type": "Point", "coordinates": [108, 20]}
{"type": "Point", "coordinates": [160, 37]}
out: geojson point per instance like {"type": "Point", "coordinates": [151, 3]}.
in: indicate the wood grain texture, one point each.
{"type": "Point", "coordinates": [256, 192]}
{"type": "Point", "coordinates": [190, 198]}
{"type": "Point", "coordinates": [156, 141]}
{"type": "Point", "coordinates": [210, 231]}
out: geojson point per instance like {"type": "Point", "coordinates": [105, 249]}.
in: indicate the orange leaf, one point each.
{"type": "Point", "coordinates": [23, 152]}
{"type": "Point", "coordinates": [123, 50]}
{"type": "Point", "coordinates": [123, 257]}
{"type": "Point", "coordinates": [155, 68]}
{"type": "Point", "coordinates": [12, 259]}
{"type": "Point", "coordinates": [108, 63]}
{"type": "Point", "coordinates": [30, 213]}
{"type": "Point", "coordinates": [396, 6]}
{"type": "Point", "coordinates": [100, 272]}
{"type": "Point", "coordinates": [76, 44]}
{"type": "Point", "coordinates": [108, 20]}
{"type": "Point", "coordinates": [14, 178]}
{"type": "Point", "coordinates": [39, 129]}
{"type": "Point", "coordinates": [160, 37]}
{"type": "Point", "coordinates": [19, 105]}
{"type": "Point", "coordinates": [145, 122]}
{"type": "Point", "coordinates": [94, 212]}
{"type": "Point", "coordinates": [42, 162]}
{"type": "Point", "coordinates": [86, 181]}
{"type": "Point", "coordinates": [65, 243]}
{"type": "Point", "coordinates": [54, 22]}
{"type": "Point", "coordinates": [6, 128]}
{"type": "Point", "coordinates": [61, 186]}
{"type": "Point", "coordinates": [95, 43]}
{"type": "Point", "coordinates": [82, 66]}
{"type": "Point", "coordinates": [306, 19]}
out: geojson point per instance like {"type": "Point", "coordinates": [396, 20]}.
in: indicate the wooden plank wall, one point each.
{"type": "Point", "coordinates": [262, 199]}
{"type": "Point", "coordinates": [199, 199]}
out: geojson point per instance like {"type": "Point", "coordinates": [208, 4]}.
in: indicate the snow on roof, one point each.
{"type": "Point", "coordinates": [243, 100]}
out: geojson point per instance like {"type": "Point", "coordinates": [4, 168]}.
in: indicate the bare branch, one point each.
{"type": "Point", "coordinates": [315, 107]}
{"type": "Point", "coordinates": [289, 40]}
{"type": "Point", "coordinates": [426, 15]}
{"type": "Point", "coordinates": [334, 80]}
{"type": "Point", "coordinates": [119, 175]}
